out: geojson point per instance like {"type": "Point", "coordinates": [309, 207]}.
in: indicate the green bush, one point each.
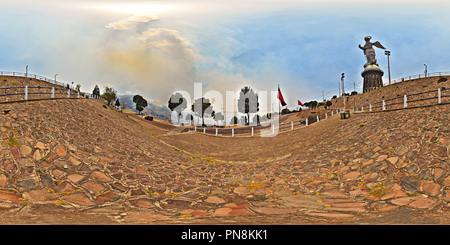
{"type": "Point", "coordinates": [104, 106]}
{"type": "Point", "coordinates": [442, 79]}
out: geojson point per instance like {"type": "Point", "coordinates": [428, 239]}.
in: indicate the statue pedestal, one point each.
{"type": "Point", "coordinates": [372, 75]}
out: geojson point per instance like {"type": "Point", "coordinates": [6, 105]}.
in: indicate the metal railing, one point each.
{"type": "Point", "coordinates": [255, 130]}
{"type": "Point", "coordinates": [21, 74]}
{"type": "Point", "coordinates": [67, 89]}
{"type": "Point", "coordinates": [431, 97]}
{"type": "Point", "coordinates": [431, 74]}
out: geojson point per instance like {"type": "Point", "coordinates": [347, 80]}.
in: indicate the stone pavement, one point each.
{"type": "Point", "coordinates": [73, 161]}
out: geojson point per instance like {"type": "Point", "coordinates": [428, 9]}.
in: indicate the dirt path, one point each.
{"type": "Point", "coordinates": [252, 148]}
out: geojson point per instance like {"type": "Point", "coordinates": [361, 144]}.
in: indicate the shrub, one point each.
{"type": "Point", "coordinates": [442, 79]}
{"type": "Point", "coordinates": [104, 106]}
{"type": "Point", "coordinates": [361, 125]}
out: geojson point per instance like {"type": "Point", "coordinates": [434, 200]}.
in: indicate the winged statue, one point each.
{"type": "Point", "coordinates": [369, 52]}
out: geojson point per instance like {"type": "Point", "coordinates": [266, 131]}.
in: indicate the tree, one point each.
{"type": "Point", "coordinates": [189, 117]}
{"type": "Point", "coordinates": [117, 103]}
{"type": "Point", "coordinates": [141, 103]}
{"type": "Point", "coordinates": [248, 102]}
{"type": "Point", "coordinates": [179, 105]}
{"type": "Point", "coordinates": [218, 117]}
{"type": "Point", "coordinates": [202, 106]}
{"type": "Point", "coordinates": [109, 94]}
{"type": "Point", "coordinates": [123, 106]}
{"type": "Point", "coordinates": [311, 104]}
{"type": "Point", "coordinates": [329, 103]}
{"type": "Point", "coordinates": [285, 111]}
{"type": "Point", "coordinates": [96, 92]}
{"type": "Point", "coordinates": [257, 119]}
{"type": "Point", "coordinates": [234, 120]}
{"type": "Point", "coordinates": [243, 120]}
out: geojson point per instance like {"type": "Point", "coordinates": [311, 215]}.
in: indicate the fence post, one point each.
{"type": "Point", "coordinates": [326, 115]}
{"type": "Point", "coordinates": [195, 128]}
{"type": "Point", "coordinates": [404, 101]}
{"type": "Point", "coordinates": [252, 131]}
{"type": "Point", "coordinates": [204, 130]}
{"type": "Point", "coordinates": [26, 92]}
{"type": "Point", "coordinates": [317, 117]}
{"type": "Point", "coordinates": [331, 113]}
{"type": "Point", "coordinates": [78, 94]}
{"type": "Point", "coordinates": [232, 132]}
{"type": "Point", "coordinates": [384, 106]}
{"type": "Point", "coordinates": [370, 107]}
{"type": "Point", "coordinates": [306, 121]}
{"type": "Point", "coordinates": [362, 109]}
{"type": "Point", "coordinates": [53, 92]}
{"type": "Point", "coordinates": [439, 94]}
{"type": "Point", "coordinates": [292, 126]}
{"type": "Point", "coordinates": [273, 129]}
{"type": "Point", "coordinates": [216, 132]}
{"type": "Point", "coordinates": [68, 93]}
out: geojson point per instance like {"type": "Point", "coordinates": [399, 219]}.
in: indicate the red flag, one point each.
{"type": "Point", "coordinates": [283, 103]}
{"type": "Point", "coordinates": [300, 103]}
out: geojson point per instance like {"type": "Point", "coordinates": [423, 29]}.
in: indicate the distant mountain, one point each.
{"type": "Point", "coordinates": [152, 109]}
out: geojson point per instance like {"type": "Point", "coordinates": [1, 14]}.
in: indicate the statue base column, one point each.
{"type": "Point", "coordinates": [372, 75]}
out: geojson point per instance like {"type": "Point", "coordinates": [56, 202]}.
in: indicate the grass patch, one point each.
{"type": "Point", "coordinates": [379, 190]}
{"type": "Point", "coordinates": [58, 202]}
{"type": "Point", "coordinates": [183, 216]}
{"type": "Point", "coordinates": [175, 149]}
{"type": "Point", "coordinates": [362, 125]}
{"type": "Point", "coordinates": [13, 142]}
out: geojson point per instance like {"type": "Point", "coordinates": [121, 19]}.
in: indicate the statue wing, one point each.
{"type": "Point", "coordinates": [378, 45]}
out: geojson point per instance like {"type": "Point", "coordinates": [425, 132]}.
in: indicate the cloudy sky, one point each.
{"type": "Point", "coordinates": [154, 48]}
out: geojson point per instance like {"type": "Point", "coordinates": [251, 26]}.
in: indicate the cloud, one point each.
{"type": "Point", "coordinates": [126, 23]}
{"type": "Point", "coordinates": [168, 41]}
{"type": "Point", "coordinates": [156, 63]}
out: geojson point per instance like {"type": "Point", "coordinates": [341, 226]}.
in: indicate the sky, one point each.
{"type": "Point", "coordinates": [154, 48]}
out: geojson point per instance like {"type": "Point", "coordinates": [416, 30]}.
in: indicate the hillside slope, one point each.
{"type": "Point", "coordinates": [74, 154]}
{"type": "Point", "coordinates": [77, 145]}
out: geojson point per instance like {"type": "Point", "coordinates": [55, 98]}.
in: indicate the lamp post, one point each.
{"type": "Point", "coordinates": [26, 71]}
{"type": "Point", "coordinates": [343, 93]}
{"type": "Point", "coordinates": [388, 53]}
{"type": "Point", "coordinates": [425, 70]}
{"type": "Point", "coordinates": [339, 95]}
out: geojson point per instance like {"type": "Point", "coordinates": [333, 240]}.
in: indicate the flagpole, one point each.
{"type": "Point", "coordinates": [279, 101]}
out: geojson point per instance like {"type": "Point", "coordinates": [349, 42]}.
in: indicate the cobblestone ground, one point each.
{"type": "Point", "coordinates": [73, 161]}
